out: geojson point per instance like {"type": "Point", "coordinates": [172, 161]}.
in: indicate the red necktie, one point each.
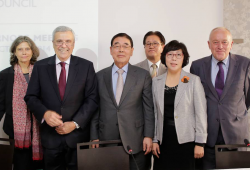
{"type": "Point", "coordinates": [62, 80]}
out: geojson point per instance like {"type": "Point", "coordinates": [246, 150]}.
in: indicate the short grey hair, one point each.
{"type": "Point", "coordinates": [221, 28]}
{"type": "Point", "coordinates": [62, 29]}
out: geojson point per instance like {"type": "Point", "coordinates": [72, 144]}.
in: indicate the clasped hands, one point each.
{"type": "Point", "coordinates": [53, 119]}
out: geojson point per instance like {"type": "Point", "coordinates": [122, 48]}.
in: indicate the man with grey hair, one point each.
{"type": "Point", "coordinates": [226, 81]}
{"type": "Point", "coordinates": [63, 96]}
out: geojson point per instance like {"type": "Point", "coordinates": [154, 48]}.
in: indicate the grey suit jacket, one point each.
{"type": "Point", "coordinates": [230, 110]}
{"type": "Point", "coordinates": [144, 64]}
{"type": "Point", "coordinates": [131, 120]}
{"type": "Point", "coordinates": [190, 114]}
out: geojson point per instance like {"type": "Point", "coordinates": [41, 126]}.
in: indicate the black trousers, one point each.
{"type": "Point", "coordinates": [22, 160]}
{"type": "Point", "coordinates": [60, 158]}
{"type": "Point", "coordinates": [208, 160]}
{"type": "Point", "coordinates": [143, 161]}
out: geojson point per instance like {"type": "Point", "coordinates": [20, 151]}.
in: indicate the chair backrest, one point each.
{"type": "Point", "coordinates": [6, 153]}
{"type": "Point", "coordinates": [111, 157]}
{"type": "Point", "coordinates": [232, 156]}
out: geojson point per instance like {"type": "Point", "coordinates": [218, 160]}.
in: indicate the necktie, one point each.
{"type": "Point", "coordinates": [154, 72]}
{"type": "Point", "coordinates": [119, 86]}
{"type": "Point", "coordinates": [219, 81]}
{"type": "Point", "coordinates": [62, 80]}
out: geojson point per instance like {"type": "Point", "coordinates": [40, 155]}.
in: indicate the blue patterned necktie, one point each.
{"type": "Point", "coordinates": [219, 81]}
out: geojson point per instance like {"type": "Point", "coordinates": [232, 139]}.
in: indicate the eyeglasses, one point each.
{"type": "Point", "coordinates": [154, 44]}
{"type": "Point", "coordinates": [117, 46]}
{"type": "Point", "coordinates": [60, 42]}
{"type": "Point", "coordinates": [178, 56]}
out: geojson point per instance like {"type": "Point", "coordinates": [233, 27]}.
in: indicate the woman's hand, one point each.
{"type": "Point", "coordinates": [156, 149]}
{"type": "Point", "coordinates": [198, 151]}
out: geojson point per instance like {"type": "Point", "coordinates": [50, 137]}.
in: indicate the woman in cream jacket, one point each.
{"type": "Point", "coordinates": [180, 112]}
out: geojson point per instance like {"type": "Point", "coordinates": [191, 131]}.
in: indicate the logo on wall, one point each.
{"type": "Point", "coordinates": [17, 3]}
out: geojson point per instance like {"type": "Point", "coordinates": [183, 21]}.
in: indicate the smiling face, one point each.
{"type": "Point", "coordinates": [220, 43]}
{"type": "Point", "coordinates": [121, 51]}
{"type": "Point", "coordinates": [23, 53]}
{"type": "Point", "coordinates": [174, 60]}
{"type": "Point", "coordinates": [153, 48]}
{"type": "Point", "coordinates": [63, 44]}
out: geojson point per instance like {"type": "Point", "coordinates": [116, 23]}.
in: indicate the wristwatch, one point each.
{"type": "Point", "coordinates": [77, 126]}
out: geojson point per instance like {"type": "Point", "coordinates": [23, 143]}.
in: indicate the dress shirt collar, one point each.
{"type": "Point", "coordinates": [58, 61]}
{"type": "Point", "coordinates": [225, 61]}
{"type": "Point", "coordinates": [150, 63]}
{"type": "Point", "coordinates": [115, 68]}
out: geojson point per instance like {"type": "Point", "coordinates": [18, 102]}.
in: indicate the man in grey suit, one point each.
{"type": "Point", "coordinates": [126, 104]}
{"type": "Point", "coordinates": [154, 43]}
{"type": "Point", "coordinates": [225, 78]}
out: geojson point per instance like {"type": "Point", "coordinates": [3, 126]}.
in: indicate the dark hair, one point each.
{"type": "Point", "coordinates": [157, 33]}
{"type": "Point", "coordinates": [19, 40]}
{"type": "Point", "coordinates": [173, 46]}
{"type": "Point", "coordinates": [122, 35]}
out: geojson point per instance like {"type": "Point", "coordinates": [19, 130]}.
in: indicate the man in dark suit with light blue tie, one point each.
{"type": "Point", "coordinates": [226, 79]}
{"type": "Point", "coordinates": [126, 104]}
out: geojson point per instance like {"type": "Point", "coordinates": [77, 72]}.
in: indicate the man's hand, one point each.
{"type": "Point", "coordinates": [52, 118]}
{"type": "Point", "coordinates": [66, 128]}
{"type": "Point", "coordinates": [156, 149]}
{"type": "Point", "coordinates": [147, 145]}
{"type": "Point", "coordinates": [95, 145]}
{"type": "Point", "coordinates": [198, 151]}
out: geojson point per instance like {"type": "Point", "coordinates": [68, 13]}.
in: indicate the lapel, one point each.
{"type": "Point", "coordinates": [181, 88]}
{"type": "Point", "coordinates": [207, 70]}
{"type": "Point", "coordinates": [52, 75]}
{"type": "Point", "coordinates": [233, 66]}
{"type": "Point", "coordinates": [160, 87]}
{"type": "Point", "coordinates": [162, 69]}
{"type": "Point", "coordinates": [107, 76]}
{"type": "Point", "coordinates": [145, 65]}
{"type": "Point", "coordinates": [73, 70]}
{"type": "Point", "coordinates": [130, 81]}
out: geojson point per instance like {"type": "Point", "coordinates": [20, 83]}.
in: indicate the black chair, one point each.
{"type": "Point", "coordinates": [232, 156]}
{"type": "Point", "coordinates": [6, 153]}
{"type": "Point", "coordinates": [112, 157]}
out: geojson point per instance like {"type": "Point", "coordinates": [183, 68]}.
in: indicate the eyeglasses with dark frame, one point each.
{"type": "Point", "coordinates": [154, 44]}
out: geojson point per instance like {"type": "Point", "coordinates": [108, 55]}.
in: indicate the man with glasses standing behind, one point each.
{"type": "Point", "coordinates": [62, 94]}
{"type": "Point", "coordinates": [126, 104]}
{"type": "Point", "coordinates": [154, 43]}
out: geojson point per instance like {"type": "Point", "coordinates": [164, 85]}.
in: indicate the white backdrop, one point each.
{"type": "Point", "coordinates": [96, 22]}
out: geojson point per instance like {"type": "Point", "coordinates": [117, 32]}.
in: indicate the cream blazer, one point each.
{"type": "Point", "coordinates": [190, 109]}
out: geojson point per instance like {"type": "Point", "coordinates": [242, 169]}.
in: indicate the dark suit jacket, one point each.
{"type": "Point", "coordinates": [131, 120]}
{"type": "Point", "coordinates": [230, 111]}
{"type": "Point", "coordinates": [79, 103]}
{"type": "Point", "coordinates": [6, 95]}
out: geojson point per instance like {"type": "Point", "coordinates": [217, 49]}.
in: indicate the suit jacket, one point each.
{"type": "Point", "coordinates": [190, 115]}
{"type": "Point", "coordinates": [144, 64]}
{"type": "Point", "coordinates": [230, 110]}
{"type": "Point", "coordinates": [133, 118]}
{"type": "Point", "coordinates": [6, 96]}
{"type": "Point", "coordinates": [79, 103]}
